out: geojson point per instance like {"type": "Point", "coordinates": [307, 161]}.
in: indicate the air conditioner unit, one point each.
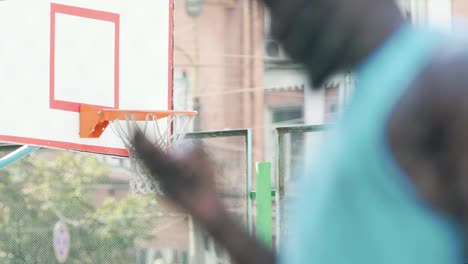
{"type": "Point", "coordinates": [274, 52]}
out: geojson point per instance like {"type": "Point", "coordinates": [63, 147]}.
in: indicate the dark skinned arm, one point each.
{"type": "Point", "coordinates": [427, 133]}
{"type": "Point", "coordinates": [187, 177]}
{"type": "Point", "coordinates": [447, 95]}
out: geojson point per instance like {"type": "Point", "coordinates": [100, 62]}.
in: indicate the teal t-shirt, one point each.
{"type": "Point", "coordinates": [355, 205]}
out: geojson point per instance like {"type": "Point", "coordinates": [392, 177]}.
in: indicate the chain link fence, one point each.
{"type": "Point", "coordinates": [231, 150]}
{"type": "Point", "coordinates": [90, 194]}
{"type": "Point", "coordinates": [292, 145]}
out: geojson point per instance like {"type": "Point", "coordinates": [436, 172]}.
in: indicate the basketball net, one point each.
{"type": "Point", "coordinates": [162, 136]}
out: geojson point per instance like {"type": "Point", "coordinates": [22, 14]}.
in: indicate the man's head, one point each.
{"type": "Point", "coordinates": [329, 36]}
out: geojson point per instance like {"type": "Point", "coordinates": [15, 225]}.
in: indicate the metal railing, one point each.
{"type": "Point", "coordinates": [90, 194]}
{"type": "Point", "coordinates": [293, 142]}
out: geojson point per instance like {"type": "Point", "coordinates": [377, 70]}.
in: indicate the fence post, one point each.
{"type": "Point", "coordinates": [263, 203]}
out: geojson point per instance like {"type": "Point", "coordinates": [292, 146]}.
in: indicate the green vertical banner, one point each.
{"type": "Point", "coordinates": [264, 203]}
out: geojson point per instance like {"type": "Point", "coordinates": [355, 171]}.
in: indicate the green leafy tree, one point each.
{"type": "Point", "coordinates": [51, 186]}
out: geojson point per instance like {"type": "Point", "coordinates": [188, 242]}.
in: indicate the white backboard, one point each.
{"type": "Point", "coordinates": [57, 55]}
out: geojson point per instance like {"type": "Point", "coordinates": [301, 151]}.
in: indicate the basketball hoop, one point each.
{"type": "Point", "coordinates": [163, 128]}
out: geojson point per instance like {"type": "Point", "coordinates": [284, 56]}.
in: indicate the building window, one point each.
{"type": "Point", "coordinates": [219, 251]}
{"type": "Point", "coordinates": [332, 101]}
{"type": "Point", "coordinates": [185, 259]}
{"type": "Point", "coordinates": [288, 116]}
{"type": "Point", "coordinates": [143, 256]}
{"type": "Point", "coordinates": [206, 242]}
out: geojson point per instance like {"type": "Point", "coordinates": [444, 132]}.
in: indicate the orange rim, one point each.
{"type": "Point", "coordinates": [93, 121]}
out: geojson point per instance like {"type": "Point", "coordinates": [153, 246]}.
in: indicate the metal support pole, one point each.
{"type": "Point", "coordinates": [250, 216]}
{"type": "Point", "coordinates": [16, 155]}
